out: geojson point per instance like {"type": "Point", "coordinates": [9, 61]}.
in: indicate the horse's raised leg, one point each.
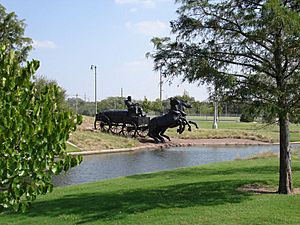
{"type": "Point", "coordinates": [195, 124]}
{"type": "Point", "coordinates": [185, 122]}
{"type": "Point", "coordinates": [181, 126]}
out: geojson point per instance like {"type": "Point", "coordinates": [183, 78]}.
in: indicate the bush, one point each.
{"type": "Point", "coordinates": [33, 134]}
{"type": "Point", "coordinates": [248, 118]}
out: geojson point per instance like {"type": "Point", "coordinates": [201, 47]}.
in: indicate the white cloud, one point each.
{"type": "Point", "coordinates": [44, 44]}
{"type": "Point", "coordinates": [148, 27]}
{"type": "Point", "coordinates": [145, 3]}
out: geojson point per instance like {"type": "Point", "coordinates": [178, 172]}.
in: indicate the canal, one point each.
{"type": "Point", "coordinates": [105, 166]}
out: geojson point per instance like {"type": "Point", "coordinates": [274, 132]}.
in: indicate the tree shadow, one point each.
{"type": "Point", "coordinates": [201, 172]}
{"type": "Point", "coordinates": [111, 206]}
{"type": "Point", "coordinates": [188, 187]}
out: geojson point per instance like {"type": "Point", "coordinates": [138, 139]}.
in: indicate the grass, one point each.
{"type": "Point", "coordinates": [88, 139]}
{"type": "Point", "coordinates": [71, 148]}
{"type": "Point", "coordinates": [91, 140]}
{"type": "Point", "coordinates": [253, 131]}
{"type": "Point", "coordinates": [208, 194]}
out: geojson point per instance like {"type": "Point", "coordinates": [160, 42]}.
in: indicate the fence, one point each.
{"type": "Point", "coordinates": [209, 117]}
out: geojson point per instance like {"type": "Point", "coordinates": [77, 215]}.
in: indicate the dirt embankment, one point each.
{"type": "Point", "coordinates": [147, 144]}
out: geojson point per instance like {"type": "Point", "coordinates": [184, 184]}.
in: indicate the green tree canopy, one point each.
{"type": "Point", "coordinates": [250, 50]}
{"type": "Point", "coordinates": [33, 134]}
{"type": "Point", "coordinates": [12, 34]}
{"type": "Point", "coordinates": [146, 105]}
{"type": "Point", "coordinates": [41, 81]}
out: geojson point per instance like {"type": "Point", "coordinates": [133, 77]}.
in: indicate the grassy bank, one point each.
{"type": "Point", "coordinates": [253, 131]}
{"type": "Point", "coordinates": [209, 194]}
{"type": "Point", "coordinates": [87, 138]}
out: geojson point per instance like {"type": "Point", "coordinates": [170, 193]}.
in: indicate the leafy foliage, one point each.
{"type": "Point", "coordinates": [33, 134]}
{"type": "Point", "coordinates": [157, 106]}
{"type": "Point", "coordinates": [41, 81]}
{"type": "Point", "coordinates": [12, 34]}
{"type": "Point", "coordinates": [246, 117]}
{"type": "Point", "coordinates": [250, 51]}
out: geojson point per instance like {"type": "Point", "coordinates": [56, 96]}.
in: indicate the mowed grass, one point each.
{"type": "Point", "coordinates": [96, 140]}
{"type": "Point", "coordinates": [86, 138]}
{"type": "Point", "coordinates": [72, 148]}
{"type": "Point", "coordinates": [253, 131]}
{"type": "Point", "coordinates": [208, 194]}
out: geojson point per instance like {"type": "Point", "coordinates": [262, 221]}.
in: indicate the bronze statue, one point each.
{"type": "Point", "coordinates": [133, 122]}
{"type": "Point", "coordinates": [133, 108]}
{"type": "Point", "coordinates": [175, 117]}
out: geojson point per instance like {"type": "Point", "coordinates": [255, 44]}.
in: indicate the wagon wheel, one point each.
{"type": "Point", "coordinates": [142, 131]}
{"type": "Point", "coordinates": [105, 127]}
{"type": "Point", "coordinates": [116, 129]}
{"type": "Point", "coordinates": [129, 129]}
{"type": "Point", "coordinates": [103, 124]}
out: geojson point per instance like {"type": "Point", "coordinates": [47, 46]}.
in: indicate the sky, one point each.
{"type": "Point", "coordinates": [71, 35]}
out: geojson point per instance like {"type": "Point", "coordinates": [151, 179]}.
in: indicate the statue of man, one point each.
{"type": "Point", "coordinates": [133, 108]}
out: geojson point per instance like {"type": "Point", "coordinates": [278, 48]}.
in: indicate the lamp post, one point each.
{"type": "Point", "coordinates": [160, 86]}
{"type": "Point", "coordinates": [93, 67]}
{"type": "Point", "coordinates": [215, 123]}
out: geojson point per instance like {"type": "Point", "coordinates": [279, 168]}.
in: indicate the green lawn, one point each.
{"type": "Point", "coordinates": [208, 194]}
{"type": "Point", "coordinates": [87, 139]}
{"type": "Point", "coordinates": [254, 131]}
{"type": "Point", "coordinates": [71, 148]}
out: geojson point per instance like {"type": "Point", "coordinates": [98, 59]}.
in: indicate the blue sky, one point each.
{"type": "Point", "coordinates": [114, 35]}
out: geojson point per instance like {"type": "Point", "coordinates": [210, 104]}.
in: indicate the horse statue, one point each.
{"type": "Point", "coordinates": [174, 118]}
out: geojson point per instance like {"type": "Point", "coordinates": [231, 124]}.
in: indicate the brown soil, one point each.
{"type": "Point", "coordinates": [265, 190]}
{"type": "Point", "coordinates": [177, 142]}
{"type": "Point", "coordinates": [148, 144]}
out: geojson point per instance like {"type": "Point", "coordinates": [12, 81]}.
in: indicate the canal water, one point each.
{"type": "Point", "coordinates": [105, 166]}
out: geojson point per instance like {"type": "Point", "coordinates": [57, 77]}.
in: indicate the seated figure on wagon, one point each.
{"type": "Point", "coordinates": [134, 109]}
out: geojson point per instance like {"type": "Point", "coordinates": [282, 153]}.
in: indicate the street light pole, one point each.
{"type": "Point", "coordinates": [93, 67]}
{"type": "Point", "coordinates": [160, 86]}
{"type": "Point", "coordinates": [215, 123]}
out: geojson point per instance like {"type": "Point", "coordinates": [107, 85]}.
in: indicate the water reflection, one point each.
{"type": "Point", "coordinates": [99, 167]}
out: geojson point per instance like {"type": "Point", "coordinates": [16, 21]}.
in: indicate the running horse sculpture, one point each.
{"type": "Point", "coordinates": [174, 118]}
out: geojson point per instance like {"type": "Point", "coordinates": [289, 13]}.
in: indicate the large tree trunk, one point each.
{"type": "Point", "coordinates": [285, 171]}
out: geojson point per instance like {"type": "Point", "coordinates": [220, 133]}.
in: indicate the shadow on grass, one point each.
{"type": "Point", "coordinates": [90, 207]}
{"type": "Point", "coordinates": [199, 172]}
{"type": "Point", "coordinates": [189, 187]}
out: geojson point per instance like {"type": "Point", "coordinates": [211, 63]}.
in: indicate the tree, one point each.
{"type": "Point", "coordinates": [146, 105]}
{"type": "Point", "coordinates": [12, 34]}
{"type": "Point", "coordinates": [112, 103]}
{"type": "Point", "coordinates": [157, 106]}
{"type": "Point", "coordinates": [40, 83]}
{"type": "Point", "coordinates": [250, 51]}
{"type": "Point", "coordinates": [33, 134]}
